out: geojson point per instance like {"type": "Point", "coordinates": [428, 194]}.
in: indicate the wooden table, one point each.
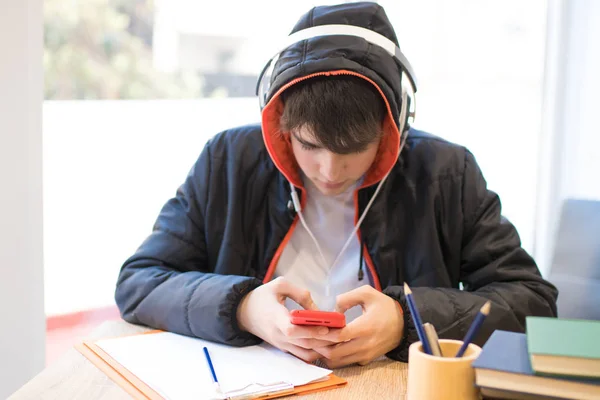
{"type": "Point", "coordinates": [74, 377]}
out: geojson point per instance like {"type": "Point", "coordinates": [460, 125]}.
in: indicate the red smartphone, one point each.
{"type": "Point", "coordinates": [318, 318]}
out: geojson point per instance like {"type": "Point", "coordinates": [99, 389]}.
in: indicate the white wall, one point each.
{"type": "Point", "coordinates": [22, 322]}
{"type": "Point", "coordinates": [570, 158]}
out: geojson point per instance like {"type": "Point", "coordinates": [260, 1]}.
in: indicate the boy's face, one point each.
{"type": "Point", "coordinates": [331, 173]}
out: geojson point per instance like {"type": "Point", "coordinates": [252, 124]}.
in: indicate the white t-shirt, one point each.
{"type": "Point", "coordinates": [331, 220]}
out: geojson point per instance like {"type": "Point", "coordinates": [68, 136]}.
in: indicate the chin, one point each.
{"type": "Point", "coordinates": [333, 191]}
{"type": "Point", "coordinates": [329, 192]}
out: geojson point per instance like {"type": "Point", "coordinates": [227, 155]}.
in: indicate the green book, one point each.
{"type": "Point", "coordinates": [569, 347]}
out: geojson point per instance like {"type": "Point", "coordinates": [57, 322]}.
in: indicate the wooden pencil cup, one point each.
{"type": "Point", "coordinates": [442, 378]}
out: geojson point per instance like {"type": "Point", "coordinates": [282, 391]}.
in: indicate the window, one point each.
{"type": "Point", "coordinates": [134, 88]}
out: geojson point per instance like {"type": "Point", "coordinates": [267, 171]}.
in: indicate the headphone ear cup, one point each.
{"type": "Point", "coordinates": [406, 114]}
{"type": "Point", "coordinates": [403, 117]}
{"type": "Point", "coordinates": [411, 107]}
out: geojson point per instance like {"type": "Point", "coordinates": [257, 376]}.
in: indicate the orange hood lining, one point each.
{"type": "Point", "coordinates": [280, 149]}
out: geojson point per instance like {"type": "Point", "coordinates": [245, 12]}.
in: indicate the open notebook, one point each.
{"type": "Point", "coordinates": [162, 365]}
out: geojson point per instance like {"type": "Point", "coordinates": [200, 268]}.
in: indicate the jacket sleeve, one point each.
{"type": "Point", "coordinates": [168, 284]}
{"type": "Point", "coordinates": [494, 267]}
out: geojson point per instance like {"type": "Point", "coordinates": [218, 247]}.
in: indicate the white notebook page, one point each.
{"type": "Point", "coordinates": [176, 368]}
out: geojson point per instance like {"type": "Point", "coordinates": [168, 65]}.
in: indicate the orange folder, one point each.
{"type": "Point", "coordinates": [140, 391]}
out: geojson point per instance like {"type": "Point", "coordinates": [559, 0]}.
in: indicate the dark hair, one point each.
{"type": "Point", "coordinates": [343, 113]}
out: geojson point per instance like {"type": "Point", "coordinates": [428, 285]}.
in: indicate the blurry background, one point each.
{"type": "Point", "coordinates": [134, 88]}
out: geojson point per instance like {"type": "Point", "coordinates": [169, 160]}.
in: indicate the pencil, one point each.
{"type": "Point", "coordinates": [433, 339]}
{"type": "Point", "coordinates": [477, 322]}
{"type": "Point", "coordinates": [416, 319]}
{"type": "Point", "coordinates": [212, 370]}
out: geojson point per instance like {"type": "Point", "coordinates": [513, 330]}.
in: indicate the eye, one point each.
{"type": "Point", "coordinates": [308, 147]}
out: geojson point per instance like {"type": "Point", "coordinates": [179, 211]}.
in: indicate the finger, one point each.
{"type": "Point", "coordinates": [357, 328]}
{"type": "Point", "coordinates": [290, 330]}
{"type": "Point", "coordinates": [343, 354]}
{"type": "Point", "coordinates": [303, 354]}
{"type": "Point", "coordinates": [341, 350]}
{"type": "Point", "coordinates": [352, 298]}
{"type": "Point", "coordinates": [300, 296]}
{"type": "Point", "coordinates": [357, 358]}
{"type": "Point", "coordinates": [310, 344]}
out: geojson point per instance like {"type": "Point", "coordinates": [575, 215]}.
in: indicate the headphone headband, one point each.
{"type": "Point", "coordinates": [356, 31]}
{"type": "Point", "coordinates": [264, 80]}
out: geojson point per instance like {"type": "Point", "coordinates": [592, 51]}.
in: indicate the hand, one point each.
{"type": "Point", "coordinates": [262, 312]}
{"type": "Point", "coordinates": [377, 331]}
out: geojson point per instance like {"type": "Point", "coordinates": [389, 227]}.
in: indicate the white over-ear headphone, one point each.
{"type": "Point", "coordinates": [408, 107]}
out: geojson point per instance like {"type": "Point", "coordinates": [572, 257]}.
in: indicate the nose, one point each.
{"type": "Point", "coordinates": [331, 166]}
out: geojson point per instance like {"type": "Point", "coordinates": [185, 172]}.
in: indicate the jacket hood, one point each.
{"type": "Point", "coordinates": [335, 55]}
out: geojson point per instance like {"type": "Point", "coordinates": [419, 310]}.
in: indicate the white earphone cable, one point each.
{"type": "Point", "coordinates": [298, 209]}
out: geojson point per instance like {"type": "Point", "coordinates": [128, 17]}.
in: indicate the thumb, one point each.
{"type": "Point", "coordinates": [350, 299]}
{"type": "Point", "coordinates": [300, 296]}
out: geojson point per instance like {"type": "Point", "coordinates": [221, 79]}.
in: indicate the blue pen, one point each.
{"type": "Point", "coordinates": [212, 370]}
{"type": "Point", "coordinates": [417, 320]}
{"type": "Point", "coordinates": [479, 318]}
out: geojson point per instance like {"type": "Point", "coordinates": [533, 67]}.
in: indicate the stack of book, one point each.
{"type": "Point", "coordinates": [555, 359]}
